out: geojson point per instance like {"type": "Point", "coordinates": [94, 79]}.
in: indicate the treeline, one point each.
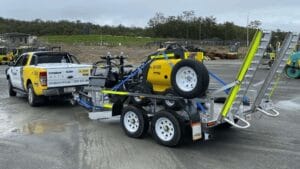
{"type": "Point", "coordinates": [184, 26]}
{"type": "Point", "coordinates": [189, 26]}
{"type": "Point", "coordinates": [64, 27]}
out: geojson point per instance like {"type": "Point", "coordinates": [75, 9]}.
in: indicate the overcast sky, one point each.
{"type": "Point", "coordinates": [274, 14]}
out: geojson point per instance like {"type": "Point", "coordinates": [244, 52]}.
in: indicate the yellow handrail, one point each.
{"type": "Point", "coordinates": [242, 72]}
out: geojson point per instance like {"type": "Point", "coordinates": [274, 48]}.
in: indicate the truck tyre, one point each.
{"type": "Point", "coordinates": [134, 121]}
{"type": "Point", "coordinates": [11, 92]}
{"type": "Point", "coordinates": [172, 104]}
{"type": "Point", "coordinates": [166, 129]}
{"type": "Point", "coordinates": [190, 79]}
{"type": "Point", "coordinates": [31, 96]}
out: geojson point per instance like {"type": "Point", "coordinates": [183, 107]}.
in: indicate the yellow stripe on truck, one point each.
{"type": "Point", "coordinates": [243, 70]}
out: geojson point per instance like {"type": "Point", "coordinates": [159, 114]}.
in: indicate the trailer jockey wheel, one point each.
{"type": "Point", "coordinates": [189, 78]}
{"type": "Point", "coordinates": [134, 121]}
{"type": "Point", "coordinates": [166, 129]}
{"type": "Point", "coordinates": [173, 104]}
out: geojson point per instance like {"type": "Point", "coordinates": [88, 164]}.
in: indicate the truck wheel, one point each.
{"type": "Point", "coordinates": [189, 78]}
{"type": "Point", "coordinates": [134, 122]}
{"type": "Point", "coordinates": [11, 92]}
{"type": "Point", "coordinates": [32, 98]}
{"type": "Point", "coordinates": [166, 129]}
{"type": "Point", "coordinates": [172, 104]}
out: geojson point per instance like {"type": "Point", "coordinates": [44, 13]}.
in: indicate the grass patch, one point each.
{"type": "Point", "coordinates": [107, 40]}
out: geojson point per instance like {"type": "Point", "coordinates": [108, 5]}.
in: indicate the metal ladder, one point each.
{"type": "Point", "coordinates": [244, 78]}
{"type": "Point", "coordinates": [263, 102]}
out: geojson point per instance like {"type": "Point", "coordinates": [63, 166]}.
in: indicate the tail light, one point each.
{"type": "Point", "coordinates": [43, 78]}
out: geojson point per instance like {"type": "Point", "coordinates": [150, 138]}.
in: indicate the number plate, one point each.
{"type": "Point", "coordinates": [69, 89]}
{"type": "Point", "coordinates": [196, 129]}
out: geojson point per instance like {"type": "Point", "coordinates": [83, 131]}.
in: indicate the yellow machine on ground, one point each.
{"type": "Point", "coordinates": [269, 56]}
{"type": "Point", "coordinates": [3, 57]}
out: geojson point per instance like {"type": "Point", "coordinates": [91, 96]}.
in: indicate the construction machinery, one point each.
{"type": "Point", "coordinates": [3, 52]}
{"type": "Point", "coordinates": [292, 69]}
{"type": "Point", "coordinates": [270, 55]}
{"type": "Point", "coordinates": [172, 96]}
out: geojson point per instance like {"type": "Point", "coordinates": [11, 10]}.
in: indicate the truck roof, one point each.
{"type": "Point", "coordinates": [48, 53]}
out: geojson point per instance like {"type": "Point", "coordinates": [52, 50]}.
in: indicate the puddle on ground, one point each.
{"type": "Point", "coordinates": [43, 126]}
{"type": "Point", "coordinates": [293, 104]}
{"type": "Point", "coordinates": [5, 123]}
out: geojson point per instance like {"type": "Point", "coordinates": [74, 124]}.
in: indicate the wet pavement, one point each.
{"type": "Point", "coordinates": [60, 136]}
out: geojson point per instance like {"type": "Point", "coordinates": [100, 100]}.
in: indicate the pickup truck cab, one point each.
{"type": "Point", "coordinates": [44, 74]}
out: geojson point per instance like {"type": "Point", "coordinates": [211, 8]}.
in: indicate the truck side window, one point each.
{"type": "Point", "coordinates": [25, 59]}
{"type": "Point", "coordinates": [74, 59]}
{"type": "Point", "coordinates": [19, 61]}
{"type": "Point", "coordinates": [33, 60]}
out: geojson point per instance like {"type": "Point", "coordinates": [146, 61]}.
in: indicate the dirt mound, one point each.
{"type": "Point", "coordinates": [90, 54]}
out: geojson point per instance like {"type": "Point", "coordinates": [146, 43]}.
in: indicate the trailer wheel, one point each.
{"type": "Point", "coordinates": [189, 78]}
{"type": "Point", "coordinates": [166, 129]}
{"type": "Point", "coordinates": [135, 122]}
{"type": "Point", "coordinates": [172, 104]}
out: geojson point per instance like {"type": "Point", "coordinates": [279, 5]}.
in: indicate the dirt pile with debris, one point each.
{"type": "Point", "coordinates": [90, 54]}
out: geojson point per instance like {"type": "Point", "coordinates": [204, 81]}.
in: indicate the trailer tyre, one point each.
{"type": "Point", "coordinates": [166, 129]}
{"type": "Point", "coordinates": [189, 78]}
{"type": "Point", "coordinates": [134, 121]}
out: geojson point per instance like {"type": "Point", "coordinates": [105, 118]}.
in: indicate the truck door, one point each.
{"type": "Point", "coordinates": [17, 72]}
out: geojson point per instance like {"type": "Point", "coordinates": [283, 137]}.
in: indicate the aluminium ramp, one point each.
{"type": "Point", "coordinates": [244, 78]}
{"type": "Point", "coordinates": [263, 102]}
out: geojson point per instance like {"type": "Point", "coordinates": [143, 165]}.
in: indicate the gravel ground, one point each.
{"type": "Point", "coordinates": [60, 136]}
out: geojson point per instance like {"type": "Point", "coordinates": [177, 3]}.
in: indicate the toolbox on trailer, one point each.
{"type": "Point", "coordinates": [173, 97]}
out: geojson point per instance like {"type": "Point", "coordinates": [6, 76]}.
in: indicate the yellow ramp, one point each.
{"type": "Point", "coordinates": [242, 72]}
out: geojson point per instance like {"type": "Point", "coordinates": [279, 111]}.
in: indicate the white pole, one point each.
{"type": "Point", "coordinates": [247, 30]}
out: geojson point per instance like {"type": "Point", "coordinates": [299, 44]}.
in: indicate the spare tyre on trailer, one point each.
{"type": "Point", "coordinates": [190, 78]}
